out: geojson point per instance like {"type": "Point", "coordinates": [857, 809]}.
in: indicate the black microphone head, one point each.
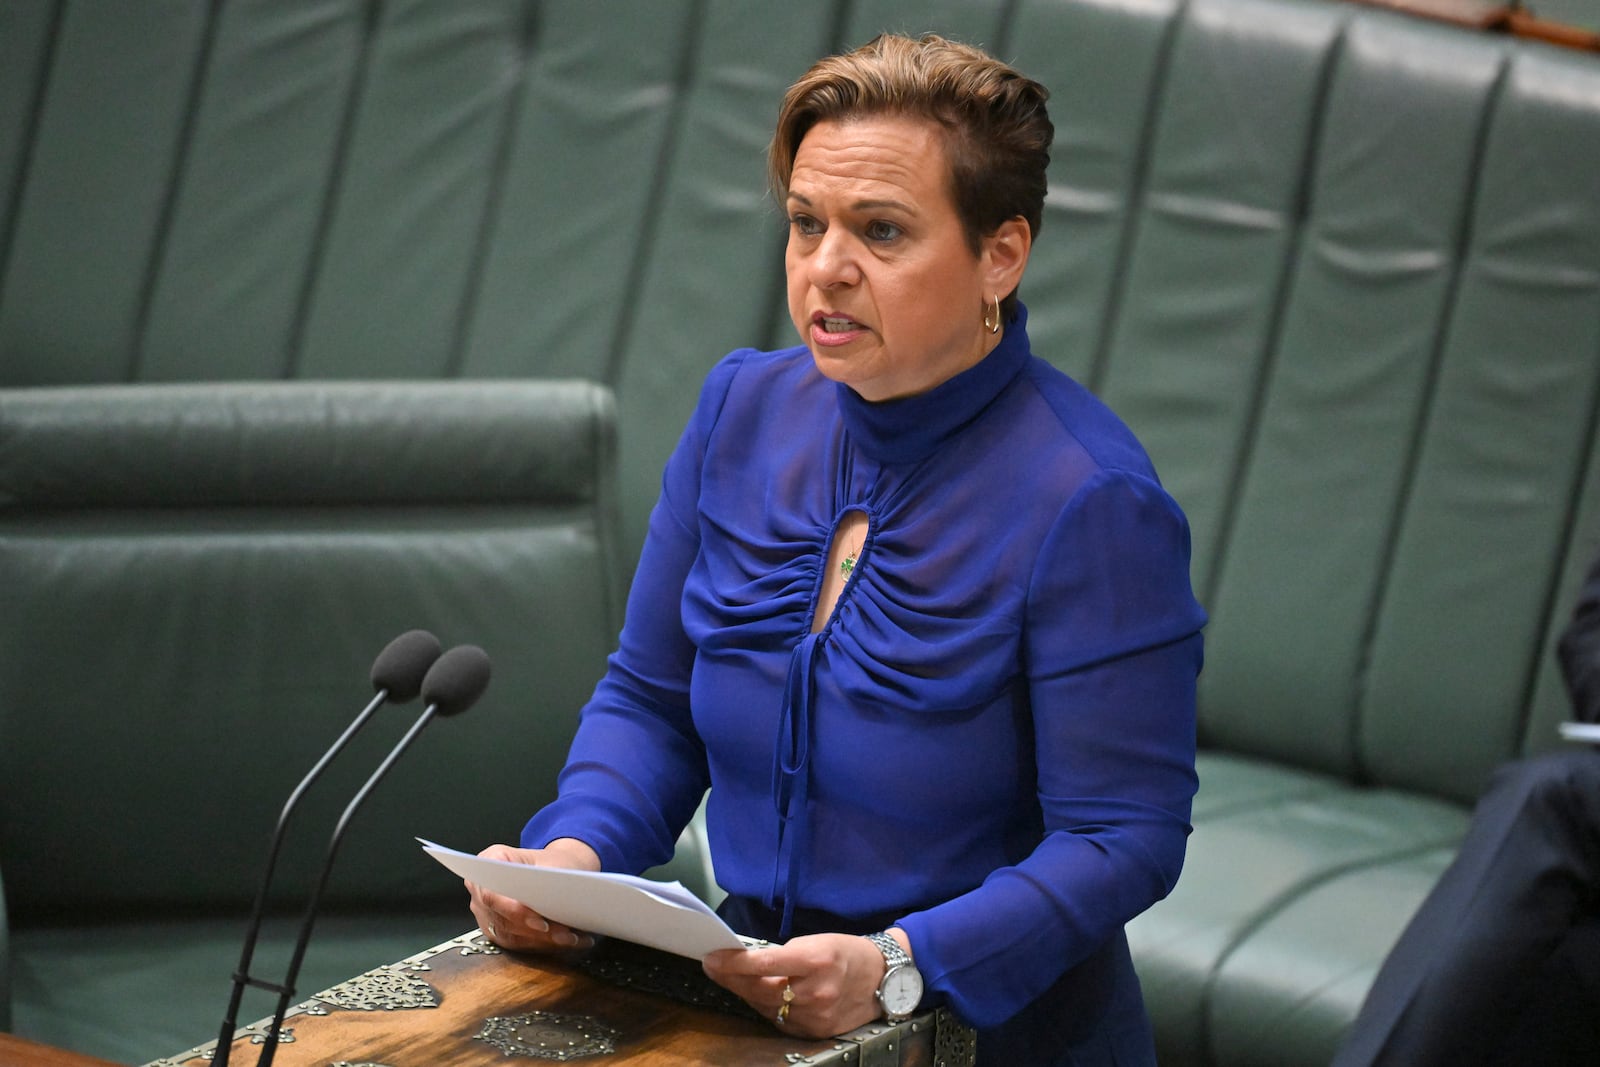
{"type": "Point", "coordinates": [457, 680]}
{"type": "Point", "coordinates": [403, 664]}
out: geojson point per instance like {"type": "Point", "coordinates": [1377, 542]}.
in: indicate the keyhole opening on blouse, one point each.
{"type": "Point", "coordinates": [844, 553]}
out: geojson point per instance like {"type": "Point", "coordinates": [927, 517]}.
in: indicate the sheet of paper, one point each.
{"type": "Point", "coordinates": [1581, 731]}
{"type": "Point", "coordinates": [662, 915]}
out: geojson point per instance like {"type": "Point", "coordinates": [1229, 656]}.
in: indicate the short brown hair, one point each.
{"type": "Point", "coordinates": [998, 132]}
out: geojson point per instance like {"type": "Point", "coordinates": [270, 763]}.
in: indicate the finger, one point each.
{"type": "Point", "coordinates": [748, 987]}
{"type": "Point", "coordinates": [514, 925]}
{"type": "Point", "coordinates": [556, 939]}
{"type": "Point", "coordinates": [781, 1017]}
{"type": "Point", "coordinates": [763, 994]}
{"type": "Point", "coordinates": [774, 998]}
{"type": "Point", "coordinates": [503, 929]}
{"type": "Point", "coordinates": [513, 913]}
{"type": "Point", "coordinates": [493, 924]}
{"type": "Point", "coordinates": [510, 854]}
{"type": "Point", "coordinates": [499, 902]}
{"type": "Point", "coordinates": [772, 962]}
{"type": "Point", "coordinates": [567, 937]}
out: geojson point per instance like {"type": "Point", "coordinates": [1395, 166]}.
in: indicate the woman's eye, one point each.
{"type": "Point", "coordinates": [805, 225]}
{"type": "Point", "coordinates": [879, 230]}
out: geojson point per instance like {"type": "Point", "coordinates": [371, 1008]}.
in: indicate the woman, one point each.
{"type": "Point", "coordinates": [913, 604]}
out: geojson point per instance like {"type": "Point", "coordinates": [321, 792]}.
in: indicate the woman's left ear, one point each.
{"type": "Point", "coordinates": [1005, 255]}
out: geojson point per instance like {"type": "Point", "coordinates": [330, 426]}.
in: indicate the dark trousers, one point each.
{"type": "Point", "coordinates": [1501, 964]}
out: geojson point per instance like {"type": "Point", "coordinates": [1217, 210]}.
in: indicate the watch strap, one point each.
{"type": "Point", "coordinates": [893, 954]}
{"type": "Point", "coordinates": [896, 960]}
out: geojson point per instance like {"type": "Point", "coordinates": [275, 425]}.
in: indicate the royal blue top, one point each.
{"type": "Point", "coordinates": [993, 736]}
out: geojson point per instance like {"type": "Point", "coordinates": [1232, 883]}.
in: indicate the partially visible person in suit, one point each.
{"type": "Point", "coordinates": [1501, 964]}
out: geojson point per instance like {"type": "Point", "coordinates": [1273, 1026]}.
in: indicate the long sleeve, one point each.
{"type": "Point", "coordinates": [1113, 651]}
{"type": "Point", "coordinates": [637, 767]}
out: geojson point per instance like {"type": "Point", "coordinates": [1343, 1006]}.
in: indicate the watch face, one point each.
{"type": "Point", "coordinates": [902, 991]}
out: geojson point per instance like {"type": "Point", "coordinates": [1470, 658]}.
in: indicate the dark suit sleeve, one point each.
{"type": "Point", "coordinates": [1579, 650]}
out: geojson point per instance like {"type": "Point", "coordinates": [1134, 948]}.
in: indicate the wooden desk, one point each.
{"type": "Point", "coordinates": [17, 1052]}
{"type": "Point", "coordinates": [466, 1003]}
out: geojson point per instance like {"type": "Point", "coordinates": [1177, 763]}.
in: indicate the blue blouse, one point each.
{"type": "Point", "coordinates": [993, 735]}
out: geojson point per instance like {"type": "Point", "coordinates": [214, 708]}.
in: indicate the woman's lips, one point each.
{"type": "Point", "coordinates": [830, 330]}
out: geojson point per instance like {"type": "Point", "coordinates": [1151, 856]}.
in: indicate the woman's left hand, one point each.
{"type": "Point", "coordinates": [832, 978]}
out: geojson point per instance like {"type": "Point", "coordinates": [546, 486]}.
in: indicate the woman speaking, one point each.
{"type": "Point", "coordinates": [913, 605]}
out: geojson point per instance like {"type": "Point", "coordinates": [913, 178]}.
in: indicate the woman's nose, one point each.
{"type": "Point", "coordinates": [833, 260]}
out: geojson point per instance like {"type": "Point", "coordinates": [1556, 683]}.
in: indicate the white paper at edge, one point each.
{"type": "Point", "coordinates": [1581, 731]}
{"type": "Point", "coordinates": [662, 915]}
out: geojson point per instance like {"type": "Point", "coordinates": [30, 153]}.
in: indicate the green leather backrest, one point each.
{"type": "Point", "coordinates": [196, 581]}
{"type": "Point", "coordinates": [1357, 326]}
{"type": "Point", "coordinates": [1335, 265]}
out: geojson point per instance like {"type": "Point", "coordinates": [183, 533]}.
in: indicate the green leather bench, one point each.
{"type": "Point", "coordinates": [197, 579]}
{"type": "Point", "coordinates": [1339, 268]}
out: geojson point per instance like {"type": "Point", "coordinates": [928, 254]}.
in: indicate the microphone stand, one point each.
{"type": "Point", "coordinates": [286, 990]}
{"type": "Point", "coordinates": [241, 977]}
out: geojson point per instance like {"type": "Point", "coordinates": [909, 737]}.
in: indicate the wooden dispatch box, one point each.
{"type": "Point", "coordinates": [465, 1003]}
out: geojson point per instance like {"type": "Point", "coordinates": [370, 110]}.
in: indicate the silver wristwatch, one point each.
{"type": "Point", "coordinates": [901, 989]}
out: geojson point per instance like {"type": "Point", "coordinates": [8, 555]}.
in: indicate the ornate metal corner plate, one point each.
{"type": "Point", "coordinates": [545, 1035]}
{"type": "Point", "coordinates": [382, 989]}
{"type": "Point", "coordinates": [469, 944]}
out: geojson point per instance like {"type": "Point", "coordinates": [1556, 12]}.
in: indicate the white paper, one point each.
{"type": "Point", "coordinates": [1581, 731]}
{"type": "Point", "coordinates": [662, 915]}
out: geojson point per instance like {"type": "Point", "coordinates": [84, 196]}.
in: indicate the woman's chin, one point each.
{"type": "Point", "coordinates": [831, 363]}
{"type": "Point", "coordinates": [837, 369]}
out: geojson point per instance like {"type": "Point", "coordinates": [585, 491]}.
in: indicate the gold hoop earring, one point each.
{"type": "Point", "coordinates": [992, 327]}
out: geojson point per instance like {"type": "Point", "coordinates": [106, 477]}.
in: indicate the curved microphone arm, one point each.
{"type": "Point", "coordinates": [308, 920]}
{"type": "Point", "coordinates": [241, 976]}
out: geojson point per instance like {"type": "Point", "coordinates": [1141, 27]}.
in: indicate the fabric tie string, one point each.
{"type": "Point", "coordinates": [791, 776]}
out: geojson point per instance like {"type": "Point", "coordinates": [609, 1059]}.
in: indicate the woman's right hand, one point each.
{"type": "Point", "coordinates": [512, 924]}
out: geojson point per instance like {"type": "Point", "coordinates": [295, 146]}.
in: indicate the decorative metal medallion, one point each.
{"type": "Point", "coordinates": [546, 1035]}
{"type": "Point", "coordinates": [382, 989]}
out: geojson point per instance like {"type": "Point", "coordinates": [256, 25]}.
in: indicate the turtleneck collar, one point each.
{"type": "Point", "coordinates": [911, 428]}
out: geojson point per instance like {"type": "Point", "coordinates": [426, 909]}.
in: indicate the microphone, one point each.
{"type": "Point", "coordinates": [397, 675]}
{"type": "Point", "coordinates": [452, 685]}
